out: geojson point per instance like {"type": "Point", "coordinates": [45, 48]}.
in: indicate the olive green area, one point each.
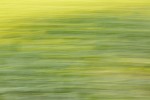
{"type": "Point", "coordinates": [96, 55]}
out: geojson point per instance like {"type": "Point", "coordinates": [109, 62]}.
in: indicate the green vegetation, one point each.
{"type": "Point", "coordinates": [97, 54]}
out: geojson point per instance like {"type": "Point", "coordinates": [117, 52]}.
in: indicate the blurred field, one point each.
{"type": "Point", "coordinates": [74, 50]}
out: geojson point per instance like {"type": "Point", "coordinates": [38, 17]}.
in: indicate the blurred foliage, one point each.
{"type": "Point", "coordinates": [74, 50]}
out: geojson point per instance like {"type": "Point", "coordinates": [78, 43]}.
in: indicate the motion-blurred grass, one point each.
{"type": "Point", "coordinates": [74, 50]}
